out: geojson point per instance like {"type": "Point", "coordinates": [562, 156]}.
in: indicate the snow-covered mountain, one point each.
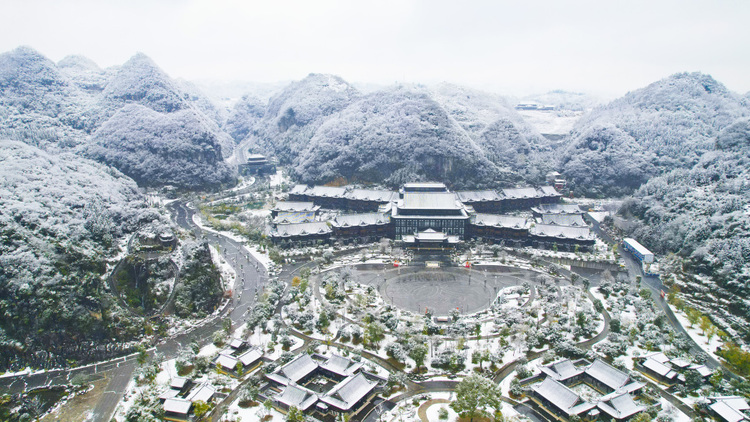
{"type": "Point", "coordinates": [74, 103]}
{"type": "Point", "coordinates": [391, 137]}
{"type": "Point", "coordinates": [666, 125]}
{"type": "Point", "coordinates": [60, 216]}
{"type": "Point", "coordinates": [180, 148]}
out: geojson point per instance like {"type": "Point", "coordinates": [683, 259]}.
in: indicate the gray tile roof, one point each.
{"type": "Point", "coordinates": [520, 193]}
{"type": "Point", "coordinates": [204, 393]}
{"type": "Point", "coordinates": [301, 229]}
{"type": "Point", "coordinates": [620, 407]}
{"type": "Point", "coordinates": [251, 356]}
{"type": "Point", "coordinates": [561, 370]}
{"type": "Point", "coordinates": [227, 362]}
{"type": "Point", "coordinates": [349, 391]}
{"type": "Point", "coordinates": [296, 396]}
{"type": "Point", "coordinates": [326, 191]}
{"type": "Point", "coordinates": [562, 397]}
{"type": "Point", "coordinates": [478, 196]}
{"type": "Point", "coordinates": [549, 191]}
{"type": "Point", "coordinates": [341, 365]}
{"type": "Point", "coordinates": [177, 405]}
{"type": "Point", "coordinates": [557, 209]}
{"type": "Point", "coordinates": [607, 375]}
{"type": "Point", "coordinates": [726, 412]}
{"type": "Point", "coordinates": [563, 220]}
{"type": "Point", "coordinates": [365, 219]}
{"type": "Point", "coordinates": [659, 368]}
{"type": "Point", "coordinates": [292, 206]}
{"type": "Point", "coordinates": [299, 368]}
{"type": "Point", "coordinates": [561, 232]}
{"type": "Point", "coordinates": [372, 195]}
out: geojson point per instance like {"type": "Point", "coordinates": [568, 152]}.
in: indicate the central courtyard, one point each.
{"type": "Point", "coordinates": [440, 290]}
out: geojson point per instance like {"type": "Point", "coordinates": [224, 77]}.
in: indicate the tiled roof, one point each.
{"type": "Point", "coordinates": [296, 396]}
{"type": "Point", "coordinates": [504, 221]}
{"type": "Point", "coordinates": [620, 407]}
{"type": "Point", "coordinates": [478, 196]}
{"type": "Point", "coordinates": [177, 405]}
{"type": "Point", "coordinates": [348, 392]}
{"type": "Point", "coordinates": [520, 193]}
{"type": "Point", "coordinates": [372, 195]}
{"type": "Point", "coordinates": [561, 396]}
{"type": "Point", "coordinates": [561, 232]}
{"type": "Point", "coordinates": [607, 375]}
{"type": "Point", "coordinates": [563, 220]}
{"type": "Point", "coordinates": [364, 219]}
{"type": "Point", "coordinates": [301, 229]}
{"type": "Point", "coordinates": [429, 200]}
{"type": "Point", "coordinates": [299, 367]}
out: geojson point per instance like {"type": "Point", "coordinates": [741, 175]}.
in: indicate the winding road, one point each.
{"type": "Point", "coordinates": [251, 276]}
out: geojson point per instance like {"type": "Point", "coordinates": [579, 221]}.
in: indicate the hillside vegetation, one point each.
{"type": "Point", "coordinates": [664, 126]}
{"type": "Point", "coordinates": [60, 217]}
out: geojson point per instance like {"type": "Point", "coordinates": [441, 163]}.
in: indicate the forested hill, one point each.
{"type": "Point", "coordinates": [666, 125]}
{"type": "Point", "coordinates": [58, 107]}
{"type": "Point", "coordinates": [393, 137]}
{"type": "Point", "coordinates": [60, 217]}
{"type": "Point", "coordinates": [703, 212]}
{"type": "Point", "coordinates": [325, 129]}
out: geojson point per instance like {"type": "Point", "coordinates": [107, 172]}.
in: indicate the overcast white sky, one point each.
{"type": "Point", "coordinates": [512, 47]}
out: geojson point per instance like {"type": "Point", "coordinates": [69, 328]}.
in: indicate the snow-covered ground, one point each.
{"type": "Point", "coordinates": [551, 121]}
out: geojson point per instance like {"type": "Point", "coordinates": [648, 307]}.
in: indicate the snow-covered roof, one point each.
{"type": "Point", "coordinates": [299, 368]}
{"type": "Point", "coordinates": [292, 206]}
{"type": "Point", "coordinates": [296, 396]}
{"type": "Point", "coordinates": [549, 191]}
{"type": "Point", "coordinates": [236, 343]}
{"type": "Point", "coordinates": [226, 361]}
{"type": "Point", "coordinates": [424, 185]}
{"type": "Point", "coordinates": [371, 195]}
{"type": "Point", "coordinates": [202, 393]}
{"type": "Point", "coordinates": [429, 200]}
{"type": "Point", "coordinates": [703, 370]}
{"type": "Point", "coordinates": [658, 356]}
{"type": "Point", "coordinates": [349, 391]}
{"type": "Point", "coordinates": [620, 407]}
{"type": "Point", "coordinates": [326, 191]}
{"type": "Point", "coordinates": [364, 219]}
{"type": "Point", "coordinates": [557, 209]}
{"type": "Point", "coordinates": [520, 193]}
{"type": "Point", "coordinates": [680, 363]}
{"type": "Point", "coordinates": [341, 365]}
{"type": "Point", "coordinates": [177, 405]}
{"type": "Point", "coordinates": [607, 375]}
{"type": "Point", "coordinates": [178, 383]}
{"type": "Point", "coordinates": [575, 220]}
{"type": "Point", "coordinates": [505, 221]}
{"type": "Point", "coordinates": [478, 196]}
{"type": "Point", "coordinates": [169, 393]}
{"type": "Point", "coordinates": [301, 229]}
{"type": "Point", "coordinates": [298, 190]}
{"type": "Point", "coordinates": [561, 232]}
{"type": "Point", "coordinates": [561, 370]}
{"type": "Point", "coordinates": [250, 356]}
{"type": "Point", "coordinates": [561, 396]}
{"type": "Point", "coordinates": [726, 412]}
{"type": "Point", "coordinates": [659, 368]}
